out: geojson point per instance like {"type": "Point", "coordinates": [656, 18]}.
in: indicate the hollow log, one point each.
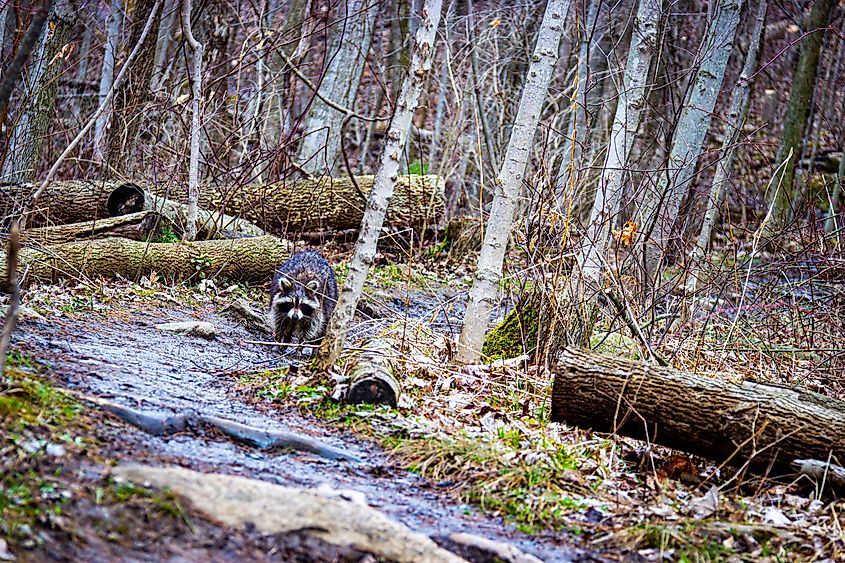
{"type": "Point", "coordinates": [247, 259]}
{"type": "Point", "coordinates": [371, 379]}
{"type": "Point", "coordinates": [313, 205]}
{"type": "Point", "coordinates": [143, 225]}
{"type": "Point", "coordinates": [752, 422]}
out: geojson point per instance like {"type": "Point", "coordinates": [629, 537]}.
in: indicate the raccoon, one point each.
{"type": "Point", "coordinates": [302, 298]}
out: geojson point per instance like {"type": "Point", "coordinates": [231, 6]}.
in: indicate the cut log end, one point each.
{"type": "Point", "coordinates": [374, 389]}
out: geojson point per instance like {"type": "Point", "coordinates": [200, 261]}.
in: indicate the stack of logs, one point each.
{"type": "Point", "coordinates": [105, 228]}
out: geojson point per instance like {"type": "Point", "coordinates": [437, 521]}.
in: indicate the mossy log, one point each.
{"type": "Point", "coordinates": [761, 424]}
{"type": "Point", "coordinates": [247, 259]}
{"type": "Point", "coordinates": [317, 204]}
{"type": "Point", "coordinates": [144, 225]}
{"type": "Point", "coordinates": [371, 379]}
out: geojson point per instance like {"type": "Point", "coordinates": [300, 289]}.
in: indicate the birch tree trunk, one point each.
{"type": "Point", "coordinates": [107, 74]}
{"type": "Point", "coordinates": [196, 99]}
{"type": "Point", "coordinates": [163, 38]}
{"type": "Point", "coordinates": [39, 99]}
{"type": "Point", "coordinates": [82, 68]}
{"type": "Point", "coordinates": [736, 117]}
{"type": "Point", "coordinates": [629, 108]}
{"type": "Point", "coordinates": [388, 171]}
{"type": "Point", "coordinates": [482, 296]}
{"type": "Point", "coordinates": [321, 144]}
{"type": "Point", "coordinates": [661, 206]}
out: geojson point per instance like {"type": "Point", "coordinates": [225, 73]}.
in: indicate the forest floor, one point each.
{"type": "Point", "coordinates": [467, 450]}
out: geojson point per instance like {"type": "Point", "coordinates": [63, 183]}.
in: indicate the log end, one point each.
{"type": "Point", "coordinates": [124, 199]}
{"type": "Point", "coordinates": [374, 389]}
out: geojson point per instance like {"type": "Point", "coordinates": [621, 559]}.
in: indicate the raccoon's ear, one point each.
{"type": "Point", "coordinates": [312, 286]}
{"type": "Point", "coordinates": [284, 283]}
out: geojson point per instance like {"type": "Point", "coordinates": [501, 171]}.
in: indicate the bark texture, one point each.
{"type": "Point", "coordinates": [247, 259]}
{"type": "Point", "coordinates": [660, 207]}
{"type": "Point", "coordinates": [509, 183]}
{"type": "Point", "coordinates": [143, 225]}
{"type": "Point", "coordinates": [384, 185]}
{"type": "Point", "coordinates": [742, 422]}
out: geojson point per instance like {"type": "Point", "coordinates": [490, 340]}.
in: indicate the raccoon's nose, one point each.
{"type": "Point", "coordinates": [295, 314]}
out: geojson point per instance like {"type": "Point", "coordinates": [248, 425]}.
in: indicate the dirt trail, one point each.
{"type": "Point", "coordinates": [123, 357]}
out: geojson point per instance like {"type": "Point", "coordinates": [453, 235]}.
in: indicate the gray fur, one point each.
{"type": "Point", "coordinates": [302, 298]}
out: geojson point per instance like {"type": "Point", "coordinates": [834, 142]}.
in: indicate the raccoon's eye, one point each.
{"type": "Point", "coordinates": [306, 309]}
{"type": "Point", "coordinates": [285, 306]}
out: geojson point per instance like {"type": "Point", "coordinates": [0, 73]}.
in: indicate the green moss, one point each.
{"type": "Point", "coordinates": [515, 335]}
{"type": "Point", "coordinates": [31, 401]}
{"type": "Point", "coordinates": [615, 344]}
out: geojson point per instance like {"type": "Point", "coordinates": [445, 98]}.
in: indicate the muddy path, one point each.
{"type": "Point", "coordinates": [120, 355]}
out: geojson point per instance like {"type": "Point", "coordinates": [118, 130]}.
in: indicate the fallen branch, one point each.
{"type": "Point", "coordinates": [822, 471]}
{"type": "Point", "coordinates": [735, 423]}
{"type": "Point", "coordinates": [144, 225]}
{"type": "Point", "coordinates": [248, 259]}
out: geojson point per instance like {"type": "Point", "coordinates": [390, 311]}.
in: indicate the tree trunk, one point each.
{"type": "Point", "coordinates": [197, 50]}
{"type": "Point", "coordinates": [750, 422]}
{"type": "Point", "coordinates": [509, 183]}
{"type": "Point", "coordinates": [107, 74]}
{"type": "Point", "coordinates": [33, 124]}
{"type": "Point", "coordinates": [629, 108]}
{"type": "Point", "coordinates": [660, 207]}
{"type": "Point", "coordinates": [132, 94]}
{"type": "Point", "coordinates": [384, 185]}
{"type": "Point", "coordinates": [803, 85]}
{"type": "Point", "coordinates": [735, 119]}
{"type": "Point", "coordinates": [246, 259]}
{"type": "Point", "coordinates": [143, 225]}
{"type": "Point", "coordinates": [321, 145]}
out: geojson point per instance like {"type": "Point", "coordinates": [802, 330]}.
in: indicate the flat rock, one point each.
{"type": "Point", "coordinates": [241, 503]}
{"type": "Point", "coordinates": [190, 328]}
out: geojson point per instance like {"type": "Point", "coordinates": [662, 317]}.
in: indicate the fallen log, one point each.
{"type": "Point", "coordinates": [246, 260]}
{"type": "Point", "coordinates": [314, 205]}
{"type": "Point", "coordinates": [323, 204]}
{"type": "Point", "coordinates": [748, 422]}
{"type": "Point", "coordinates": [144, 225]}
{"type": "Point", "coordinates": [371, 379]}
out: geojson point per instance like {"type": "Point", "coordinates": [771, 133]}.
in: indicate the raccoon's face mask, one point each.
{"type": "Point", "coordinates": [295, 300]}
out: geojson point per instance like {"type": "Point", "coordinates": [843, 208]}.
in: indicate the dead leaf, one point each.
{"type": "Point", "coordinates": [496, 23]}
{"type": "Point", "coordinates": [625, 237]}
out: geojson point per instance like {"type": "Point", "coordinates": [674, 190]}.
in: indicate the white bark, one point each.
{"type": "Point", "coordinates": [382, 191]}
{"type": "Point", "coordinates": [197, 50]}
{"type": "Point", "coordinates": [321, 143]}
{"type": "Point", "coordinates": [629, 108]}
{"type": "Point", "coordinates": [830, 224]}
{"type": "Point", "coordinates": [82, 69]}
{"type": "Point", "coordinates": [107, 74]}
{"type": "Point", "coordinates": [661, 206]}
{"type": "Point", "coordinates": [482, 296]}
{"type": "Point", "coordinates": [736, 117]}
